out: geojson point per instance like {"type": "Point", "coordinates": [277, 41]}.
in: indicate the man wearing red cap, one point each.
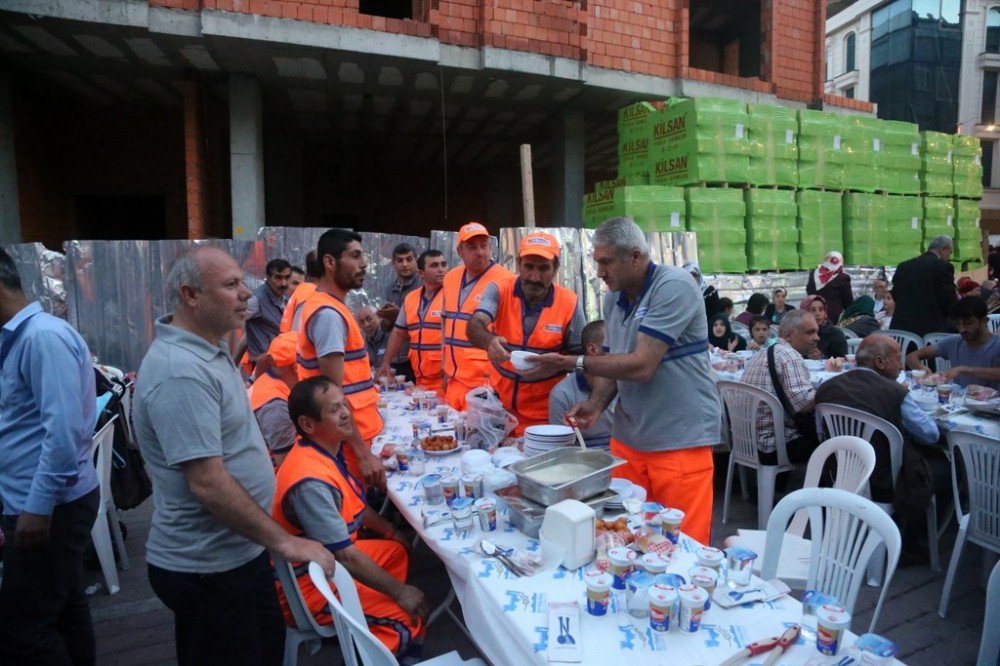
{"type": "Point", "coordinates": [533, 314]}
{"type": "Point", "coordinates": [464, 364]}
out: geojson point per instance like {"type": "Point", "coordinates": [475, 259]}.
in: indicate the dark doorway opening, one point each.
{"type": "Point", "coordinates": [725, 36]}
{"type": "Point", "coordinates": [129, 217]}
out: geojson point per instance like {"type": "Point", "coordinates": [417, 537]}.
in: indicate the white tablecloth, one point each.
{"type": "Point", "coordinates": [508, 616]}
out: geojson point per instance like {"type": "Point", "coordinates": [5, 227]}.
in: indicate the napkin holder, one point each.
{"type": "Point", "coordinates": [569, 525]}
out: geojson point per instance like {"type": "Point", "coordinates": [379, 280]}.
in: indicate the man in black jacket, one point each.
{"type": "Point", "coordinates": [924, 290]}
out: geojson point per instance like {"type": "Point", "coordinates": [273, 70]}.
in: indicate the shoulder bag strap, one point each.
{"type": "Point", "coordinates": [776, 383]}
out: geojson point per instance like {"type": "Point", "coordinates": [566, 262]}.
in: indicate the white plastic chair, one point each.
{"type": "Point", "coordinates": [846, 530]}
{"type": "Point", "coordinates": [994, 322]}
{"type": "Point", "coordinates": [106, 514]}
{"type": "Point", "coordinates": [904, 338]}
{"type": "Point", "coordinates": [355, 638]}
{"type": "Point", "coordinates": [739, 329]}
{"type": "Point", "coordinates": [741, 402]}
{"type": "Point", "coordinates": [840, 420]}
{"type": "Point", "coordinates": [307, 629]}
{"type": "Point", "coordinates": [981, 525]}
{"type": "Point", "coordinates": [855, 462]}
{"type": "Point", "coordinates": [848, 333]}
{"type": "Point", "coordinates": [940, 364]}
{"type": "Point", "coordinates": [989, 645]}
{"type": "Point", "coordinates": [853, 344]}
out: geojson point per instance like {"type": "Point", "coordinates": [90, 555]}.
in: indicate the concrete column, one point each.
{"type": "Point", "coordinates": [246, 155]}
{"type": "Point", "coordinates": [568, 153]}
{"type": "Point", "coordinates": [10, 211]}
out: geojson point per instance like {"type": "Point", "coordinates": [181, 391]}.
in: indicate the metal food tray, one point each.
{"type": "Point", "coordinates": [588, 485]}
{"type": "Point", "coordinates": [526, 516]}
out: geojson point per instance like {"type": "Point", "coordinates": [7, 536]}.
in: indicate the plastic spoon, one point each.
{"type": "Point", "coordinates": [491, 550]}
{"type": "Point", "coordinates": [579, 435]}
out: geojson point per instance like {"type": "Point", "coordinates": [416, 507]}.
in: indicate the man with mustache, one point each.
{"type": "Point", "coordinates": [668, 413]}
{"type": "Point", "coordinates": [533, 314]}
{"type": "Point", "coordinates": [332, 344]}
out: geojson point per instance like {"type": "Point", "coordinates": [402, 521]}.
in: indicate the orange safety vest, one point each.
{"type": "Point", "coordinates": [425, 334]}
{"type": "Point", "coordinates": [462, 361]}
{"type": "Point", "coordinates": [267, 388]}
{"type": "Point", "coordinates": [530, 400]}
{"type": "Point", "coordinates": [305, 461]}
{"type": "Point", "coordinates": [295, 303]}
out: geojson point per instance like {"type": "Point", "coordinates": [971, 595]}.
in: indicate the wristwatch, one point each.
{"type": "Point", "coordinates": [578, 366]}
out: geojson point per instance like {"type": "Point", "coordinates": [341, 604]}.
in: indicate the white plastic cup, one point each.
{"type": "Point", "coordinates": [692, 605]}
{"type": "Point", "coordinates": [707, 579]}
{"type": "Point", "coordinates": [831, 621]}
{"type": "Point", "coordinates": [598, 592]}
{"type": "Point", "coordinates": [662, 601]}
{"type": "Point", "coordinates": [622, 560]}
{"type": "Point", "coordinates": [671, 520]}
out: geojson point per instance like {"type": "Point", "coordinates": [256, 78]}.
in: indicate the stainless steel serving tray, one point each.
{"type": "Point", "coordinates": [597, 480]}
{"type": "Point", "coordinates": [526, 516]}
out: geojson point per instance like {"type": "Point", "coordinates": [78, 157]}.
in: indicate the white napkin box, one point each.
{"type": "Point", "coordinates": [570, 526]}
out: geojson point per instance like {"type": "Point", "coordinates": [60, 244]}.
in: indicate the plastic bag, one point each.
{"type": "Point", "coordinates": [487, 421]}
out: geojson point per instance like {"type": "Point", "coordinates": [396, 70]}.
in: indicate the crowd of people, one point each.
{"type": "Point", "coordinates": [266, 459]}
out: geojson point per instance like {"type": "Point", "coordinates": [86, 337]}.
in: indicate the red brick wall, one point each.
{"type": "Point", "coordinates": [641, 36]}
{"type": "Point", "coordinates": [798, 31]}
{"type": "Point", "coordinates": [844, 102]}
{"type": "Point", "coordinates": [550, 27]}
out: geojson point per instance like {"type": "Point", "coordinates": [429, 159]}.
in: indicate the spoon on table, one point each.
{"type": "Point", "coordinates": [491, 550]}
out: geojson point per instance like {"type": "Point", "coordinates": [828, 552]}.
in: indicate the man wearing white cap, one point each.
{"type": "Point", "coordinates": [532, 314]}
{"type": "Point", "coordinates": [464, 364]}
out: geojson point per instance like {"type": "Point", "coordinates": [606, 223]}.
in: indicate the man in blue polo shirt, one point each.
{"type": "Point", "coordinates": [48, 483]}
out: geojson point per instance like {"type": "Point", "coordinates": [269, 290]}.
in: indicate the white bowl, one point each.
{"type": "Point", "coordinates": [519, 359]}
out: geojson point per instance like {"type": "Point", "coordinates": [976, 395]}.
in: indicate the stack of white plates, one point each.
{"type": "Point", "coordinates": [626, 490]}
{"type": "Point", "coordinates": [542, 438]}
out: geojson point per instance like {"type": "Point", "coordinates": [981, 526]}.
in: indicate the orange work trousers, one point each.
{"type": "Point", "coordinates": [680, 479]}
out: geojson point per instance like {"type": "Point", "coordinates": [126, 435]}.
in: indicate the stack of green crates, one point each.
{"type": "Point", "coordinates": [772, 234]}
{"type": "Point", "coordinates": [820, 224]}
{"type": "Point", "coordinates": [634, 135]}
{"type": "Point", "coordinates": [821, 157]}
{"type": "Point", "coordinates": [968, 237]}
{"type": "Point", "coordinates": [861, 139]}
{"type": "Point", "coordinates": [939, 218]}
{"type": "Point", "coordinates": [653, 208]}
{"type": "Point", "coordinates": [864, 229]}
{"type": "Point", "coordinates": [935, 166]}
{"type": "Point", "coordinates": [700, 140]}
{"type": "Point", "coordinates": [899, 157]}
{"type": "Point", "coordinates": [904, 227]}
{"type": "Point", "coordinates": [774, 149]}
{"type": "Point", "coordinates": [716, 215]}
{"type": "Point", "coordinates": [967, 164]}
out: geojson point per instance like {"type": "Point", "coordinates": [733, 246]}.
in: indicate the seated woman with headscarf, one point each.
{"type": "Point", "coordinates": [860, 316]}
{"type": "Point", "coordinates": [721, 335]}
{"type": "Point", "coordinates": [832, 343]}
{"type": "Point", "coordinates": [831, 282]}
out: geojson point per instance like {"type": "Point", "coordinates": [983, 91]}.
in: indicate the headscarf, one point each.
{"type": "Point", "coordinates": [809, 300]}
{"type": "Point", "coordinates": [832, 266]}
{"type": "Point", "coordinates": [967, 286]}
{"type": "Point", "coordinates": [694, 269]}
{"type": "Point", "coordinates": [862, 305]}
{"type": "Point", "coordinates": [723, 342]}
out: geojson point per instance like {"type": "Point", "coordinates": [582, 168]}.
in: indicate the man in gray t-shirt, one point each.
{"type": "Point", "coordinates": [212, 480]}
{"type": "Point", "coordinates": [974, 353]}
{"type": "Point", "coordinates": [575, 388]}
{"type": "Point", "coordinates": [668, 414]}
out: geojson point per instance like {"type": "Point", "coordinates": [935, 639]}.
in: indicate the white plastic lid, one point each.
{"type": "Point", "coordinates": [833, 617]}
{"type": "Point", "coordinates": [662, 597]}
{"type": "Point", "coordinates": [654, 561]}
{"type": "Point", "coordinates": [692, 595]}
{"type": "Point", "coordinates": [710, 555]}
{"type": "Point", "coordinates": [599, 580]}
{"type": "Point", "coordinates": [668, 590]}
{"type": "Point", "coordinates": [672, 515]}
{"type": "Point", "coordinates": [704, 572]}
{"type": "Point", "coordinates": [621, 556]}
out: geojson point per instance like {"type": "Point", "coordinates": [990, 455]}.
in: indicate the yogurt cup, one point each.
{"type": "Point", "coordinates": [486, 508]}
{"type": "Point", "coordinates": [740, 565]}
{"type": "Point", "coordinates": [621, 560]}
{"type": "Point", "coordinates": [472, 485]}
{"type": "Point", "coordinates": [710, 557]}
{"type": "Point", "coordinates": [831, 621]}
{"type": "Point", "coordinates": [692, 604]}
{"type": "Point", "coordinates": [403, 460]}
{"type": "Point", "coordinates": [400, 382]}
{"type": "Point", "coordinates": [944, 393]}
{"type": "Point", "coordinates": [416, 463]}
{"type": "Point", "coordinates": [433, 491]}
{"type": "Point", "coordinates": [670, 591]}
{"type": "Point", "coordinates": [707, 579]}
{"type": "Point", "coordinates": [598, 592]}
{"type": "Point", "coordinates": [661, 607]}
{"type": "Point", "coordinates": [461, 513]}
{"type": "Point", "coordinates": [449, 486]}
{"type": "Point", "coordinates": [653, 563]}
{"type": "Point", "coordinates": [670, 521]}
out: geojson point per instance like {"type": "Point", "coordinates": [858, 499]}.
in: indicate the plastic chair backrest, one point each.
{"type": "Point", "coordinates": [739, 328]}
{"type": "Point", "coordinates": [100, 452]}
{"type": "Point", "coordinates": [904, 338]}
{"type": "Point", "coordinates": [742, 403]}
{"type": "Point", "coordinates": [846, 530]}
{"type": "Point", "coordinates": [840, 420]}
{"type": "Point", "coordinates": [304, 620]}
{"type": "Point", "coordinates": [989, 645]}
{"type": "Point", "coordinates": [994, 322]}
{"type": "Point", "coordinates": [981, 456]}
{"type": "Point", "coordinates": [855, 463]}
{"type": "Point", "coordinates": [350, 619]}
{"type": "Point", "coordinates": [848, 333]}
{"type": "Point", "coordinates": [940, 363]}
{"type": "Point", "coordinates": [853, 344]}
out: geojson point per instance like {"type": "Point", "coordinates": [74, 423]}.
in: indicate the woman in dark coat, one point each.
{"type": "Point", "coordinates": [859, 317]}
{"type": "Point", "coordinates": [832, 341]}
{"type": "Point", "coordinates": [831, 282]}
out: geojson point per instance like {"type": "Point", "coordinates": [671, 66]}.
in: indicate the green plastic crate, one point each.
{"type": "Point", "coordinates": [653, 208]}
{"type": "Point", "coordinates": [939, 217]}
{"type": "Point", "coordinates": [864, 229]}
{"type": "Point", "coordinates": [821, 155]}
{"type": "Point", "coordinates": [860, 138]}
{"type": "Point", "coordinates": [717, 215]}
{"type": "Point", "coordinates": [821, 225]}
{"type": "Point", "coordinates": [700, 140]}
{"type": "Point", "coordinates": [772, 232]}
{"type": "Point", "coordinates": [904, 227]}
{"type": "Point", "coordinates": [936, 177]}
{"type": "Point", "coordinates": [774, 148]}
{"type": "Point", "coordinates": [899, 157]}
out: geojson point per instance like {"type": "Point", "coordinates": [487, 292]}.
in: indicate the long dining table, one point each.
{"type": "Point", "coordinates": [508, 616]}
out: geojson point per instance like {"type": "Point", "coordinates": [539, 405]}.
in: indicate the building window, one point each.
{"type": "Point", "coordinates": [989, 113]}
{"type": "Point", "coordinates": [849, 93]}
{"type": "Point", "coordinates": [849, 52]}
{"type": "Point", "coordinates": [987, 162]}
{"type": "Point", "coordinates": [993, 31]}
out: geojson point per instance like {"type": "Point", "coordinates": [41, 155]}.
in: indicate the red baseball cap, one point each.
{"type": "Point", "coordinates": [540, 244]}
{"type": "Point", "coordinates": [471, 230]}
